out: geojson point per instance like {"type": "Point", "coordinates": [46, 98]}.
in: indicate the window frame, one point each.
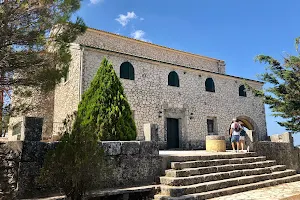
{"type": "Point", "coordinates": [173, 79]}
{"type": "Point", "coordinates": [242, 93]}
{"type": "Point", "coordinates": [211, 122]}
{"type": "Point", "coordinates": [210, 86]}
{"type": "Point", "coordinates": [127, 71]}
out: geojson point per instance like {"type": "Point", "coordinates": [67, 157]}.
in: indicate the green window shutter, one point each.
{"type": "Point", "coordinates": [173, 79]}
{"type": "Point", "coordinates": [131, 72]}
{"type": "Point", "coordinates": [209, 85]}
{"type": "Point", "coordinates": [242, 91]}
{"type": "Point", "coordinates": [127, 71]}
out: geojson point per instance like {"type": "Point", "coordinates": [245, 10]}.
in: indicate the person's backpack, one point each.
{"type": "Point", "coordinates": [243, 132]}
{"type": "Point", "coordinates": [237, 127]}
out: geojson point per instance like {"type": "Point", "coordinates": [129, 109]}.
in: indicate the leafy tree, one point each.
{"type": "Point", "coordinates": [32, 52]}
{"type": "Point", "coordinates": [35, 36]}
{"type": "Point", "coordinates": [104, 109]}
{"type": "Point", "coordinates": [283, 95]}
{"type": "Point", "coordinates": [75, 164]}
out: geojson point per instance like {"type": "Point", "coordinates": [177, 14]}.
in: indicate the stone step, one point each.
{"type": "Point", "coordinates": [207, 163]}
{"type": "Point", "coordinates": [176, 191]}
{"type": "Point", "coordinates": [190, 180]}
{"type": "Point", "coordinates": [220, 168]}
{"type": "Point", "coordinates": [231, 190]}
{"type": "Point", "coordinates": [184, 158]}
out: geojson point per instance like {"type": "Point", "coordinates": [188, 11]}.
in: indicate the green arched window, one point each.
{"type": "Point", "coordinates": [127, 71]}
{"type": "Point", "coordinates": [173, 79]}
{"type": "Point", "coordinates": [242, 91]}
{"type": "Point", "coordinates": [209, 85]}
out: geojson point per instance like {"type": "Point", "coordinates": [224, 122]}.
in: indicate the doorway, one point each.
{"type": "Point", "coordinates": [172, 133]}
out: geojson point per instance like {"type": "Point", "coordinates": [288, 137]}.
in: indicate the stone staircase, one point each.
{"type": "Point", "coordinates": [221, 174]}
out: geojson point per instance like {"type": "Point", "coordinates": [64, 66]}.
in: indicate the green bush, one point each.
{"type": "Point", "coordinates": [76, 165]}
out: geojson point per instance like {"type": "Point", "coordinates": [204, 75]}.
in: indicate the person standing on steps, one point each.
{"type": "Point", "coordinates": [229, 131]}
{"type": "Point", "coordinates": [235, 134]}
{"type": "Point", "coordinates": [242, 136]}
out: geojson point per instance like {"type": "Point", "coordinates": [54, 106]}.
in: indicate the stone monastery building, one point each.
{"type": "Point", "coordinates": [188, 96]}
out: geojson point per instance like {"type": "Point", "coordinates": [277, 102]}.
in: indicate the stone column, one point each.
{"type": "Point", "coordinates": [33, 129]}
{"type": "Point", "coordinates": [151, 132]}
{"type": "Point", "coordinates": [31, 157]}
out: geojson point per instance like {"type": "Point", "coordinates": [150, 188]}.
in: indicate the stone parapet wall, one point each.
{"type": "Point", "coordinates": [284, 137]}
{"type": "Point", "coordinates": [284, 153]}
{"type": "Point", "coordinates": [129, 163]}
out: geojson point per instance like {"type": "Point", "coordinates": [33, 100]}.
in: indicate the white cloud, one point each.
{"type": "Point", "coordinates": [124, 19]}
{"type": "Point", "coordinates": [142, 19]}
{"type": "Point", "coordinates": [139, 35]}
{"type": "Point", "coordinates": [96, 1]}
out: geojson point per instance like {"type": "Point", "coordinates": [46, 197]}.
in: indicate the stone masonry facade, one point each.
{"type": "Point", "coordinates": [152, 99]}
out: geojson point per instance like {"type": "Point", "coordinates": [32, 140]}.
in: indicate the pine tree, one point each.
{"type": "Point", "coordinates": [27, 29]}
{"type": "Point", "coordinates": [104, 109]}
{"type": "Point", "coordinates": [283, 96]}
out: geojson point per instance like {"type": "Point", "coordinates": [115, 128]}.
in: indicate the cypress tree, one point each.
{"type": "Point", "coordinates": [283, 94]}
{"type": "Point", "coordinates": [104, 109]}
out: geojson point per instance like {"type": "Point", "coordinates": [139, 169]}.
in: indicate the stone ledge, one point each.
{"type": "Point", "coordinates": [117, 191]}
{"type": "Point", "coordinates": [215, 137]}
{"type": "Point", "coordinates": [145, 148]}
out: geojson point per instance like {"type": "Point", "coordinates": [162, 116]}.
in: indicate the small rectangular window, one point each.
{"type": "Point", "coordinates": [210, 126]}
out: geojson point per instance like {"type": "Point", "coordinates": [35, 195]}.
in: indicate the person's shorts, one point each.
{"type": "Point", "coordinates": [242, 138]}
{"type": "Point", "coordinates": [235, 138]}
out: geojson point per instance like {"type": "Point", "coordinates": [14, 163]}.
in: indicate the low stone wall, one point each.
{"type": "Point", "coordinates": [129, 164]}
{"type": "Point", "coordinates": [10, 156]}
{"type": "Point", "coordinates": [132, 163]}
{"type": "Point", "coordinates": [284, 153]}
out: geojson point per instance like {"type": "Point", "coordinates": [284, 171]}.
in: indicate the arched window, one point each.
{"type": "Point", "coordinates": [242, 91]}
{"type": "Point", "coordinates": [127, 71]}
{"type": "Point", "coordinates": [173, 79]}
{"type": "Point", "coordinates": [209, 85]}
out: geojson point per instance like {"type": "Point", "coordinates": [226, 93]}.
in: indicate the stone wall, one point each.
{"type": "Point", "coordinates": [127, 163]}
{"type": "Point", "coordinates": [284, 137]}
{"type": "Point", "coordinates": [10, 156]}
{"type": "Point", "coordinates": [283, 150]}
{"type": "Point", "coordinates": [153, 100]}
{"type": "Point", "coordinates": [42, 105]}
{"type": "Point", "coordinates": [67, 93]}
{"type": "Point", "coordinates": [113, 42]}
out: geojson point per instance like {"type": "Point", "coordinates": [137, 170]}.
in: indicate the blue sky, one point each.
{"type": "Point", "coordinates": [232, 30]}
